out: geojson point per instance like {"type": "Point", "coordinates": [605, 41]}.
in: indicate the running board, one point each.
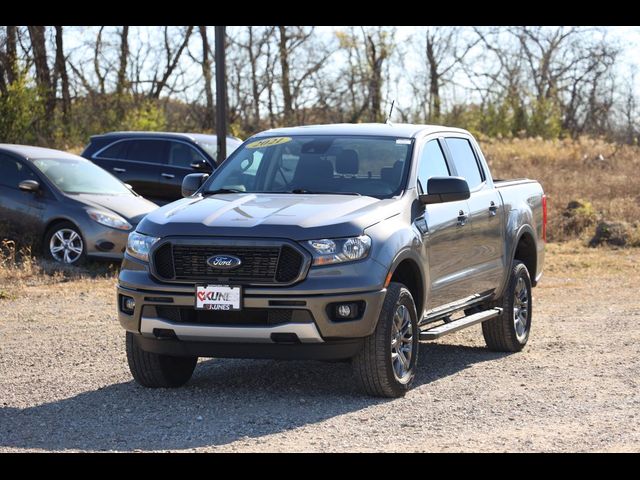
{"type": "Point", "coordinates": [464, 322]}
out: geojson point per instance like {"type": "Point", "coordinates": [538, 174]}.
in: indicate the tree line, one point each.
{"type": "Point", "coordinates": [59, 85]}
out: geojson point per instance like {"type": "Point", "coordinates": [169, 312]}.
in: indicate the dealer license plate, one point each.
{"type": "Point", "coordinates": [218, 297]}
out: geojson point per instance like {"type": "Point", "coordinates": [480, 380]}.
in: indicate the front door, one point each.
{"type": "Point", "coordinates": [445, 234]}
{"type": "Point", "coordinates": [20, 217]}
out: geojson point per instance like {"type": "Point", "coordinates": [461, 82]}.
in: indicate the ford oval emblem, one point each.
{"type": "Point", "coordinates": [224, 262]}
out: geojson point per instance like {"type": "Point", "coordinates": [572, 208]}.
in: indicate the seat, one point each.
{"type": "Point", "coordinates": [391, 175]}
{"type": "Point", "coordinates": [348, 162]}
{"type": "Point", "coordinates": [313, 173]}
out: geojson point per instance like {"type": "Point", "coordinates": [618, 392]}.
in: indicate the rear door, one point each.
{"type": "Point", "coordinates": [485, 240]}
{"type": "Point", "coordinates": [445, 235]}
{"type": "Point", "coordinates": [181, 156]}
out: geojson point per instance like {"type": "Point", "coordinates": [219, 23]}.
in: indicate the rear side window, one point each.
{"type": "Point", "coordinates": [465, 161]}
{"type": "Point", "coordinates": [183, 155]}
{"type": "Point", "coordinates": [432, 163]}
{"type": "Point", "coordinates": [149, 151]}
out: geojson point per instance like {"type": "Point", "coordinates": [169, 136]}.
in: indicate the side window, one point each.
{"type": "Point", "coordinates": [432, 163]}
{"type": "Point", "coordinates": [9, 171]}
{"type": "Point", "coordinates": [465, 161]}
{"type": "Point", "coordinates": [183, 155]}
{"type": "Point", "coordinates": [149, 151]}
{"type": "Point", "coordinates": [117, 151]}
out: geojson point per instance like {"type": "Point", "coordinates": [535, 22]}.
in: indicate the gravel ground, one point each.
{"type": "Point", "coordinates": [65, 384]}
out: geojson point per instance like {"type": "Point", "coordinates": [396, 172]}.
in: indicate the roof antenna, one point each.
{"type": "Point", "coordinates": [388, 122]}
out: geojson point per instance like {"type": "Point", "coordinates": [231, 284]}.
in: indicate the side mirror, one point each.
{"type": "Point", "coordinates": [192, 182]}
{"type": "Point", "coordinates": [29, 186]}
{"type": "Point", "coordinates": [445, 189]}
{"type": "Point", "coordinates": [201, 166]}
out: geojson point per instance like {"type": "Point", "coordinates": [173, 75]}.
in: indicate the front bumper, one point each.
{"type": "Point", "coordinates": [317, 327]}
{"type": "Point", "coordinates": [104, 242]}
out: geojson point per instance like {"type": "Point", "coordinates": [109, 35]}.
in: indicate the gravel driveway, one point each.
{"type": "Point", "coordinates": [65, 384]}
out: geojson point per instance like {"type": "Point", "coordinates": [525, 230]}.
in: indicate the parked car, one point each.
{"type": "Point", "coordinates": [78, 209]}
{"type": "Point", "coordinates": [155, 163]}
{"type": "Point", "coordinates": [334, 242]}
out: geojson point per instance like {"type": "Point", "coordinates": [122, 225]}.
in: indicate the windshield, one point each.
{"type": "Point", "coordinates": [77, 175]}
{"type": "Point", "coordinates": [342, 164]}
{"type": "Point", "coordinates": [212, 148]}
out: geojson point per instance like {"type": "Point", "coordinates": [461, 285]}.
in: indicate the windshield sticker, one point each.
{"type": "Point", "coordinates": [269, 142]}
{"type": "Point", "coordinates": [403, 141]}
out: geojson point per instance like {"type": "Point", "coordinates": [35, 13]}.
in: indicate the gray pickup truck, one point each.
{"type": "Point", "coordinates": [333, 242]}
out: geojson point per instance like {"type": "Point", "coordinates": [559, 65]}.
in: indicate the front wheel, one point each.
{"type": "Point", "coordinates": [386, 364]}
{"type": "Point", "coordinates": [155, 370]}
{"type": "Point", "coordinates": [63, 244]}
{"type": "Point", "coordinates": [510, 331]}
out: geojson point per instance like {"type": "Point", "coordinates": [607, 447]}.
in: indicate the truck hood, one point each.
{"type": "Point", "coordinates": [293, 216]}
{"type": "Point", "coordinates": [131, 207]}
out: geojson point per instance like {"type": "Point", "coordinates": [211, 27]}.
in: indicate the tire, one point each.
{"type": "Point", "coordinates": [155, 370]}
{"type": "Point", "coordinates": [376, 365]}
{"type": "Point", "coordinates": [74, 253]}
{"type": "Point", "coordinates": [503, 334]}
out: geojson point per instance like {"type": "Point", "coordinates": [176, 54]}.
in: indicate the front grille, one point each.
{"type": "Point", "coordinates": [260, 264]}
{"type": "Point", "coordinates": [249, 316]}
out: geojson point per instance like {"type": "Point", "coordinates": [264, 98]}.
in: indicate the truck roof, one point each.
{"type": "Point", "coordinates": [406, 130]}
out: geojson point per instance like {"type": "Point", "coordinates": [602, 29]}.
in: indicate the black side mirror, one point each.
{"type": "Point", "coordinates": [192, 182]}
{"type": "Point", "coordinates": [29, 186]}
{"type": "Point", "coordinates": [445, 189]}
{"type": "Point", "coordinates": [201, 166]}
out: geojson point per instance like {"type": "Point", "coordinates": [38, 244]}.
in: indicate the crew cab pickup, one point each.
{"type": "Point", "coordinates": [333, 242]}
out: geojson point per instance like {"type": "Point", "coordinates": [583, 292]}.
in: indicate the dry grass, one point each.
{"type": "Point", "coordinates": [20, 269]}
{"type": "Point", "coordinates": [590, 170]}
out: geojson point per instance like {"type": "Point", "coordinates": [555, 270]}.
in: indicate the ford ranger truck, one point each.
{"type": "Point", "coordinates": [333, 242]}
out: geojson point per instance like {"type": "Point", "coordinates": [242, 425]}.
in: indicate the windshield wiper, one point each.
{"type": "Point", "coordinates": [224, 190]}
{"type": "Point", "coordinates": [304, 190]}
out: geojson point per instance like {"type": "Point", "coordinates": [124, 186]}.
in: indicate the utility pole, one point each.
{"type": "Point", "coordinates": [221, 96]}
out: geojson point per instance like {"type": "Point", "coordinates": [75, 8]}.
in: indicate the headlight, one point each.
{"type": "Point", "coordinates": [109, 219]}
{"type": "Point", "coordinates": [138, 245]}
{"type": "Point", "coordinates": [327, 251]}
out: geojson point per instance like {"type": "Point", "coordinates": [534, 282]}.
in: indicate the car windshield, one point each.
{"type": "Point", "coordinates": [77, 175]}
{"type": "Point", "coordinates": [212, 148]}
{"type": "Point", "coordinates": [340, 164]}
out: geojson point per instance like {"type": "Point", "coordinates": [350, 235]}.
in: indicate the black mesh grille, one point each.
{"type": "Point", "coordinates": [248, 316]}
{"type": "Point", "coordinates": [289, 264]}
{"type": "Point", "coordinates": [260, 264]}
{"type": "Point", "coordinates": [164, 261]}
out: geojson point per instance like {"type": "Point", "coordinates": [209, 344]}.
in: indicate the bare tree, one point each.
{"type": "Point", "coordinates": [61, 72]}
{"type": "Point", "coordinates": [206, 74]}
{"type": "Point", "coordinates": [43, 73]}
{"type": "Point", "coordinates": [172, 58]}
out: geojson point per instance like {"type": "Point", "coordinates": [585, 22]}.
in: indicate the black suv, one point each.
{"type": "Point", "coordinates": [154, 163]}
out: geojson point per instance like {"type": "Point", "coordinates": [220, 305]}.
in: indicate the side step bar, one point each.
{"type": "Point", "coordinates": [447, 328]}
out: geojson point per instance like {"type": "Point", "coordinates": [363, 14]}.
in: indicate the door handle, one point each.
{"type": "Point", "coordinates": [493, 208]}
{"type": "Point", "coordinates": [119, 170]}
{"type": "Point", "coordinates": [462, 218]}
{"type": "Point", "coordinates": [167, 175]}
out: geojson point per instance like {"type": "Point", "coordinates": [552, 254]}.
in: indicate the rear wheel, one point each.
{"type": "Point", "coordinates": [386, 364]}
{"type": "Point", "coordinates": [510, 331]}
{"type": "Point", "coordinates": [155, 370]}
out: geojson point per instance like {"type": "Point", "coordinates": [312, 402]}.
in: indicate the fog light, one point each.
{"type": "Point", "coordinates": [344, 310]}
{"type": "Point", "coordinates": [128, 305]}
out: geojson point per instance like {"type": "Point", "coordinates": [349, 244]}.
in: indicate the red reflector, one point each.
{"type": "Point", "coordinates": [544, 217]}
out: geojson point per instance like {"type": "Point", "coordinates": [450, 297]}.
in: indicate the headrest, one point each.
{"type": "Point", "coordinates": [347, 162]}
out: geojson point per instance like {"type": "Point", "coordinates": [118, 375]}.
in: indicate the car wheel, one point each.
{"type": "Point", "coordinates": [63, 243]}
{"type": "Point", "coordinates": [155, 370]}
{"type": "Point", "coordinates": [510, 331]}
{"type": "Point", "coordinates": [386, 364]}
